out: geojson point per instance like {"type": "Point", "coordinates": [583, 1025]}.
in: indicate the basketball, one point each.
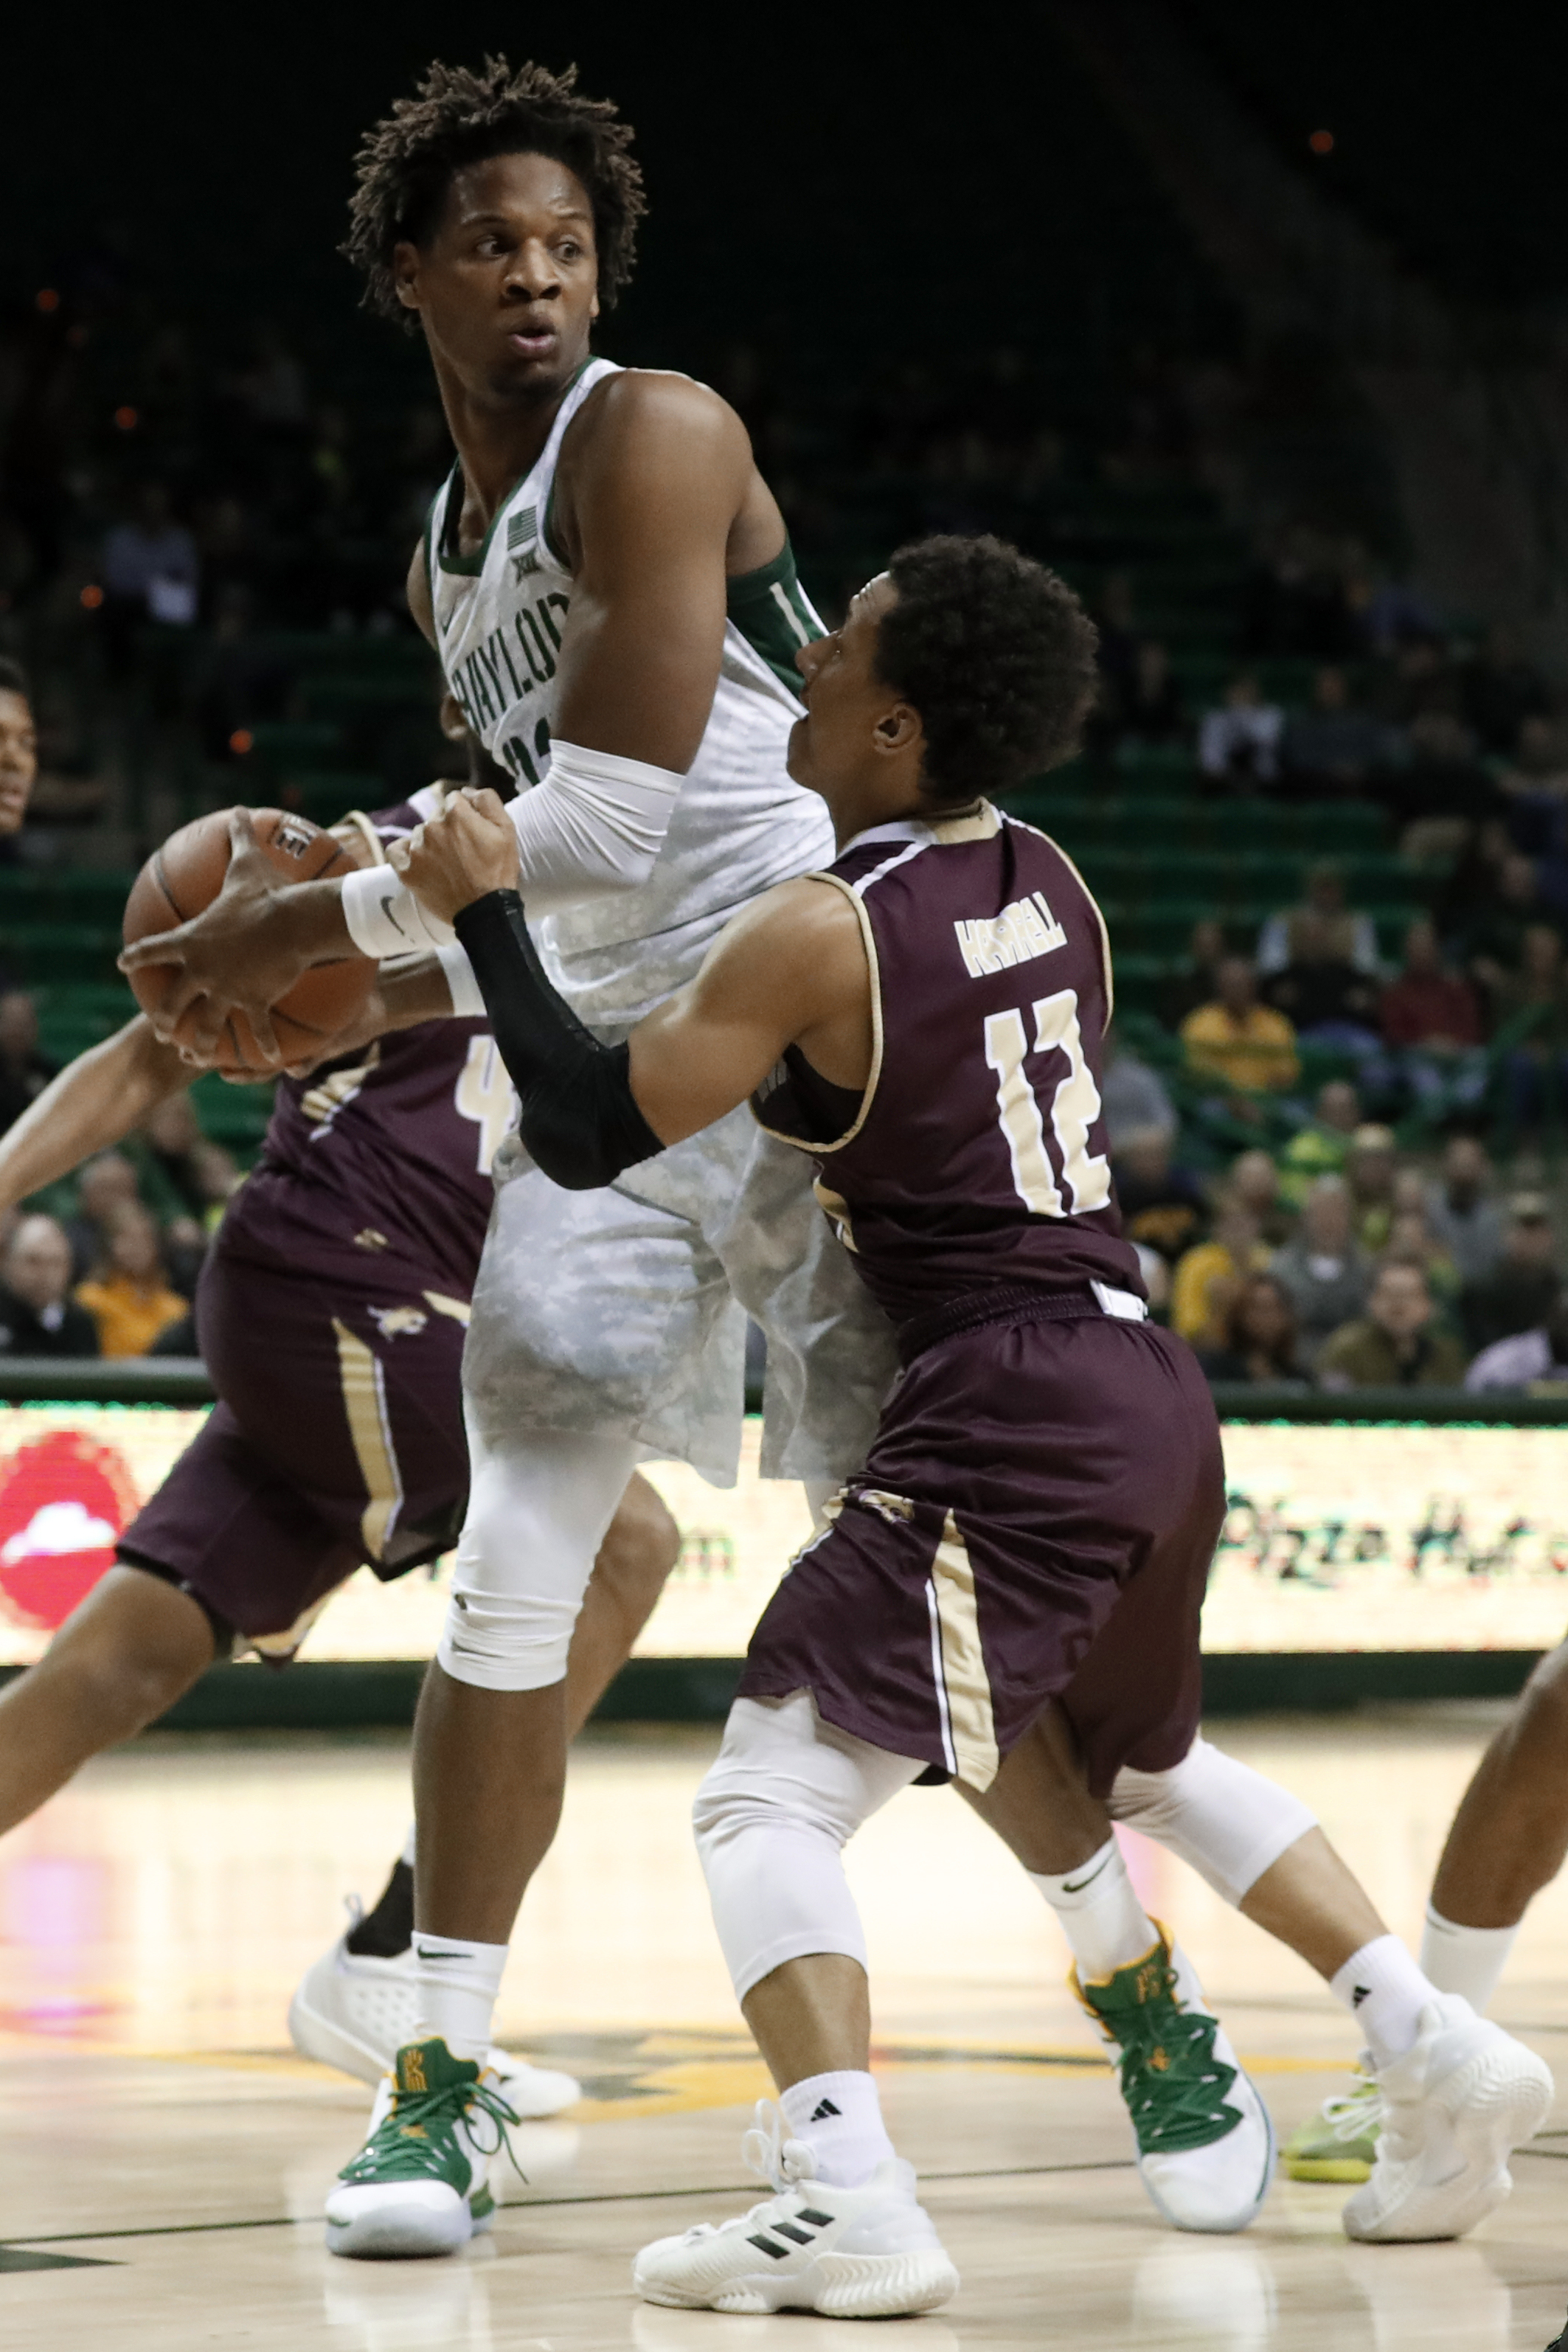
{"type": "Point", "coordinates": [185, 875]}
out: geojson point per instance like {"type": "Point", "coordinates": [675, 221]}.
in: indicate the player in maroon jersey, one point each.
{"type": "Point", "coordinates": [331, 1314]}
{"type": "Point", "coordinates": [1008, 1594]}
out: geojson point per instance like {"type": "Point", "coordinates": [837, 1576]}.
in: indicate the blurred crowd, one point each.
{"type": "Point", "coordinates": [107, 1263]}
{"type": "Point", "coordinates": [1471, 1019]}
{"type": "Point", "coordinates": [1351, 1266]}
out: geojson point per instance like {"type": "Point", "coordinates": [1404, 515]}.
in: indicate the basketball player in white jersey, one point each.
{"type": "Point", "coordinates": [609, 585]}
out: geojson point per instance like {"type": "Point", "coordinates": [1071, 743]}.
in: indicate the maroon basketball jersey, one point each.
{"type": "Point", "coordinates": [386, 1153]}
{"type": "Point", "coordinates": [976, 1158]}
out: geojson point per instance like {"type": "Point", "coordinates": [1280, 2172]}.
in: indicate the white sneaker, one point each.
{"type": "Point", "coordinates": [1205, 2142]}
{"type": "Point", "coordinates": [355, 2013]}
{"type": "Point", "coordinates": [869, 2252]}
{"type": "Point", "coordinates": [1454, 2106]}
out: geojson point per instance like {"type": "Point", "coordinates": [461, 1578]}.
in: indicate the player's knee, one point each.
{"type": "Point", "coordinates": [1228, 1821]}
{"type": "Point", "coordinates": [507, 1641]}
{"type": "Point", "coordinates": [641, 1545]}
{"type": "Point", "coordinates": [120, 1686]}
{"type": "Point", "coordinates": [779, 1769]}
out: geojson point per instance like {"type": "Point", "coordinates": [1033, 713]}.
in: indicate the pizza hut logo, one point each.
{"type": "Point", "coordinates": [63, 1501]}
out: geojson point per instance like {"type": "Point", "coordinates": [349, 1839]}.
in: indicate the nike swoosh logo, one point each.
{"type": "Point", "coordinates": [421, 1954]}
{"type": "Point", "coordinates": [1076, 1886]}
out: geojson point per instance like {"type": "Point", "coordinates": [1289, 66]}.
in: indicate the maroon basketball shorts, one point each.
{"type": "Point", "coordinates": [1036, 1521]}
{"type": "Point", "coordinates": [339, 1440]}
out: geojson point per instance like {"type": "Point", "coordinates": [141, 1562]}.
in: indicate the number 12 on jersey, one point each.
{"type": "Point", "coordinates": [1074, 1107]}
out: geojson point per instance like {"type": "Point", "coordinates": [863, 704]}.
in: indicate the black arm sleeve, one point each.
{"type": "Point", "coordinates": [580, 1118]}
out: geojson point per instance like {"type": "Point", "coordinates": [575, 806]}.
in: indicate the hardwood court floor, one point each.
{"type": "Point", "coordinates": [163, 2155]}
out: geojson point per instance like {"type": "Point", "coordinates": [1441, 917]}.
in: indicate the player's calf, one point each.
{"type": "Point", "coordinates": [1509, 1840]}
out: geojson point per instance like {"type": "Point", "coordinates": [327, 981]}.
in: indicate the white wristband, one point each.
{"type": "Point", "coordinates": [466, 1000]}
{"type": "Point", "coordinates": [384, 918]}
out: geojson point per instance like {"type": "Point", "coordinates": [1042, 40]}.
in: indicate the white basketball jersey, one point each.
{"type": "Point", "coordinates": [739, 824]}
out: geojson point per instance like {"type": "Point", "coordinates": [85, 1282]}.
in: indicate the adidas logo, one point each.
{"type": "Point", "coordinates": [1361, 1993]}
{"type": "Point", "coordinates": [792, 2230]}
{"type": "Point", "coordinates": [824, 2107]}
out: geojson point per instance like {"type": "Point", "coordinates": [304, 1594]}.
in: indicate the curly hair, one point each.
{"type": "Point", "coordinates": [14, 680]}
{"type": "Point", "coordinates": [406, 161]}
{"type": "Point", "coordinates": [996, 652]}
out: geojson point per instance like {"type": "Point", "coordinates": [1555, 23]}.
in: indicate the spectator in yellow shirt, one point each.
{"type": "Point", "coordinates": [1209, 1276]}
{"type": "Point", "coordinates": [1246, 1045]}
{"type": "Point", "coordinates": [127, 1293]}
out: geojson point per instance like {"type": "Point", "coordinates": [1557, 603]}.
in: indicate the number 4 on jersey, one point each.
{"type": "Point", "coordinates": [1075, 1107]}
{"type": "Point", "coordinates": [485, 1094]}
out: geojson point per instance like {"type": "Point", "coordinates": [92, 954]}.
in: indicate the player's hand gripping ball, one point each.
{"type": "Point", "coordinates": [185, 875]}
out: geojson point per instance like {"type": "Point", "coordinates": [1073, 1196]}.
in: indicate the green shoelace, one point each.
{"type": "Point", "coordinates": [1175, 2087]}
{"type": "Point", "coordinates": [419, 2140]}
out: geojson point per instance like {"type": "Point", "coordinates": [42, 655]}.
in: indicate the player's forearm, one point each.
{"type": "Point", "coordinates": [579, 1118]}
{"type": "Point", "coordinates": [427, 988]}
{"type": "Point", "coordinates": [93, 1103]}
{"type": "Point", "coordinates": [595, 825]}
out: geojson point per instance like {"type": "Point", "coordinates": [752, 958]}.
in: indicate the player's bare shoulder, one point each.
{"type": "Point", "coordinates": [652, 406]}
{"type": "Point", "coordinates": [803, 938]}
{"type": "Point", "coordinates": [649, 434]}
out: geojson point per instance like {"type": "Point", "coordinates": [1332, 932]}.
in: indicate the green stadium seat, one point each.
{"type": "Point", "coordinates": [283, 743]}
{"type": "Point", "coordinates": [325, 795]}
{"type": "Point", "coordinates": [235, 1116]}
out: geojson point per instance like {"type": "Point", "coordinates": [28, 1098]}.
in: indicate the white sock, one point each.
{"type": "Point", "coordinates": [840, 2116]}
{"type": "Point", "coordinates": [458, 1982]}
{"type": "Point", "coordinates": [408, 1854]}
{"type": "Point", "coordinates": [1101, 1916]}
{"type": "Point", "coordinates": [1386, 1993]}
{"type": "Point", "coordinates": [1465, 1959]}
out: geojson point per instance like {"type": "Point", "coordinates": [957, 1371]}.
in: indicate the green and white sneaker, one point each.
{"type": "Point", "coordinates": [1205, 2144]}
{"type": "Point", "coordinates": [421, 2183]}
{"type": "Point", "coordinates": [1340, 2142]}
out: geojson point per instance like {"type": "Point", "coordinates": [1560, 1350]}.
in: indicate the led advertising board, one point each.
{"type": "Point", "coordinates": [1349, 1538]}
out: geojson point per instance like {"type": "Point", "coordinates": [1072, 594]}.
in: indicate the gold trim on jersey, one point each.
{"type": "Point", "coordinates": [362, 824]}
{"type": "Point", "coordinates": [869, 941]}
{"type": "Point", "coordinates": [983, 823]}
{"type": "Point", "coordinates": [370, 1434]}
{"type": "Point", "coordinates": [833, 1206]}
{"type": "Point", "coordinates": [1108, 975]}
{"type": "Point", "coordinates": [972, 1729]}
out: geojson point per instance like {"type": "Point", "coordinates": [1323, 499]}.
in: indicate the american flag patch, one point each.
{"type": "Point", "coordinates": [521, 527]}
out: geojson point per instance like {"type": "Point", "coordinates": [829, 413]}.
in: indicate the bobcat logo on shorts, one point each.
{"type": "Point", "coordinates": [390, 1321]}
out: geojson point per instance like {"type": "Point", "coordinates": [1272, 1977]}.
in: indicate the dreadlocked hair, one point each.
{"type": "Point", "coordinates": [997, 655]}
{"type": "Point", "coordinates": [406, 161]}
